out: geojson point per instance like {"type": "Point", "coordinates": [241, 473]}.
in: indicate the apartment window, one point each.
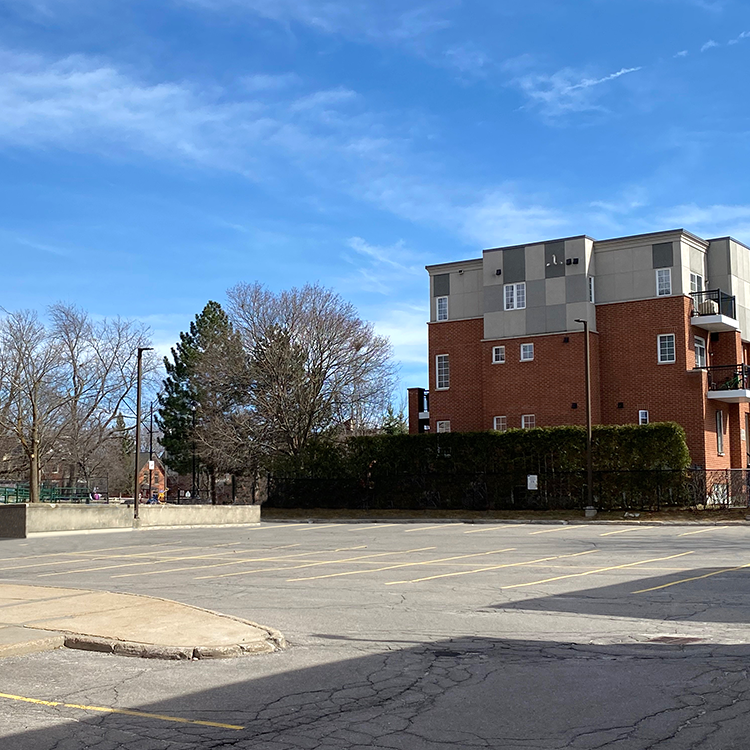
{"type": "Point", "coordinates": [500, 424]}
{"type": "Point", "coordinates": [666, 348]}
{"type": "Point", "coordinates": [527, 352]}
{"type": "Point", "coordinates": [591, 289]}
{"type": "Point", "coordinates": [443, 371]}
{"type": "Point", "coordinates": [528, 421]}
{"type": "Point", "coordinates": [498, 355]}
{"type": "Point", "coordinates": [444, 426]}
{"type": "Point", "coordinates": [442, 308]}
{"type": "Point", "coordinates": [663, 282]}
{"type": "Point", "coordinates": [515, 296]}
{"type": "Point", "coordinates": [696, 282]}
{"type": "Point", "coordinates": [700, 352]}
{"type": "Point", "coordinates": [720, 432]}
{"type": "Point", "coordinates": [642, 417]}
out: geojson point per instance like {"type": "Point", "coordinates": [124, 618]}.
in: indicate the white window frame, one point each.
{"type": "Point", "coordinates": [696, 282]}
{"type": "Point", "coordinates": [720, 432]}
{"type": "Point", "coordinates": [591, 290]}
{"type": "Point", "coordinates": [442, 375]}
{"type": "Point", "coordinates": [643, 416]}
{"type": "Point", "coordinates": [663, 282]}
{"type": "Point", "coordinates": [700, 351]}
{"type": "Point", "coordinates": [515, 296]}
{"type": "Point", "coordinates": [531, 351]}
{"type": "Point", "coordinates": [664, 337]}
{"type": "Point", "coordinates": [441, 308]}
{"type": "Point", "coordinates": [528, 421]}
{"type": "Point", "coordinates": [500, 424]}
{"type": "Point", "coordinates": [443, 425]}
{"type": "Point", "coordinates": [498, 355]}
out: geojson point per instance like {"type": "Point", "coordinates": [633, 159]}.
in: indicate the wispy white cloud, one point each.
{"type": "Point", "coordinates": [397, 20]}
{"type": "Point", "coordinates": [738, 39]}
{"type": "Point", "coordinates": [710, 220]}
{"type": "Point", "coordinates": [682, 53]}
{"type": "Point", "coordinates": [709, 45]}
{"type": "Point", "coordinates": [83, 104]}
{"type": "Point", "coordinates": [562, 92]}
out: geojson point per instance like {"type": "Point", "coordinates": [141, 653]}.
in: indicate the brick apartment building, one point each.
{"type": "Point", "coordinates": [669, 330]}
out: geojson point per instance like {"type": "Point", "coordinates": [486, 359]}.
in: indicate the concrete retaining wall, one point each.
{"type": "Point", "coordinates": [19, 520]}
{"type": "Point", "coordinates": [197, 515]}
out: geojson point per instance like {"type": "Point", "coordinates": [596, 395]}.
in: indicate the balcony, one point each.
{"type": "Point", "coordinates": [729, 383]}
{"type": "Point", "coordinates": [714, 310]}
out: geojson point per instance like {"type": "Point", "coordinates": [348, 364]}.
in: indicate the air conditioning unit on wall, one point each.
{"type": "Point", "coordinates": [708, 307]}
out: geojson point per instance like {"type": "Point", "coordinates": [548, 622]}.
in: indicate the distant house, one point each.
{"type": "Point", "coordinates": [157, 476]}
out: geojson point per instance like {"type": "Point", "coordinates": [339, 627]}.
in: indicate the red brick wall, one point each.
{"type": "Point", "coordinates": [624, 368]}
{"type": "Point", "coordinates": [546, 387]}
{"type": "Point", "coordinates": [632, 375]}
{"type": "Point", "coordinates": [462, 402]}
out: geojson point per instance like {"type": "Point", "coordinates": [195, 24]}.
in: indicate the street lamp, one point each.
{"type": "Point", "coordinates": [589, 466]}
{"type": "Point", "coordinates": [141, 349]}
{"type": "Point", "coordinates": [192, 408]}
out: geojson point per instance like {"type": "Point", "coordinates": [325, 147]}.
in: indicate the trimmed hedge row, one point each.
{"type": "Point", "coordinates": [488, 470]}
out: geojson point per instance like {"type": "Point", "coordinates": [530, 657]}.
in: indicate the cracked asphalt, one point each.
{"type": "Point", "coordinates": [413, 636]}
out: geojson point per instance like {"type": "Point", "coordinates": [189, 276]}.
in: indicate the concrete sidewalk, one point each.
{"type": "Point", "coordinates": [40, 618]}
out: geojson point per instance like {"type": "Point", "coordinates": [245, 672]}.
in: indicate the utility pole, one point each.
{"type": "Point", "coordinates": [141, 349]}
{"type": "Point", "coordinates": [150, 450]}
{"type": "Point", "coordinates": [192, 490]}
{"type": "Point", "coordinates": [589, 460]}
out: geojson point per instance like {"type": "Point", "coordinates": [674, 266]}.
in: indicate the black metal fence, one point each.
{"type": "Point", "coordinates": [509, 490]}
{"type": "Point", "coordinates": [728, 377]}
{"type": "Point", "coordinates": [714, 302]}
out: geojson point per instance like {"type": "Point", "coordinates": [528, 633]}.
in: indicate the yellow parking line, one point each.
{"type": "Point", "coordinates": [76, 560]}
{"type": "Point", "coordinates": [694, 578]}
{"type": "Point", "coordinates": [239, 561]}
{"type": "Point", "coordinates": [370, 526]}
{"type": "Point", "coordinates": [434, 526]}
{"type": "Point", "coordinates": [155, 561]}
{"type": "Point", "coordinates": [78, 552]}
{"type": "Point", "coordinates": [122, 711]}
{"type": "Point", "coordinates": [625, 531]}
{"type": "Point", "coordinates": [313, 564]}
{"type": "Point", "coordinates": [597, 570]}
{"type": "Point", "coordinates": [402, 565]}
{"type": "Point", "coordinates": [492, 528]}
{"type": "Point", "coordinates": [551, 531]}
{"type": "Point", "coordinates": [309, 526]}
{"type": "Point", "coordinates": [492, 567]}
{"type": "Point", "coordinates": [703, 531]}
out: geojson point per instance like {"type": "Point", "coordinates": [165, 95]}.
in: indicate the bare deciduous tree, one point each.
{"type": "Point", "coordinates": [314, 365]}
{"type": "Point", "coordinates": [62, 386]}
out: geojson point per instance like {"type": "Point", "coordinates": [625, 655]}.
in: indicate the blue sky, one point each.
{"type": "Point", "coordinates": [154, 154]}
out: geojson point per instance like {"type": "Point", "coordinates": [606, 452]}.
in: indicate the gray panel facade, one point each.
{"type": "Point", "coordinates": [663, 255]}
{"type": "Point", "coordinates": [441, 285]}
{"type": "Point", "coordinates": [514, 265]}
{"type": "Point", "coordinates": [554, 260]}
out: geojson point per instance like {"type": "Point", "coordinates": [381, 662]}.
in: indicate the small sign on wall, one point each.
{"type": "Point", "coordinates": [532, 482]}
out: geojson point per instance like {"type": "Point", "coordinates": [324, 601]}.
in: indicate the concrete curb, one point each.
{"type": "Point", "coordinates": [527, 521]}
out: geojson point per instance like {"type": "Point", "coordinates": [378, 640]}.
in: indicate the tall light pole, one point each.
{"type": "Point", "coordinates": [589, 463]}
{"type": "Point", "coordinates": [192, 489]}
{"type": "Point", "coordinates": [141, 349]}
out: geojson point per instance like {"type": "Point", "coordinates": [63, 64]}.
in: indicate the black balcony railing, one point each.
{"type": "Point", "coordinates": [728, 378]}
{"type": "Point", "coordinates": [713, 302]}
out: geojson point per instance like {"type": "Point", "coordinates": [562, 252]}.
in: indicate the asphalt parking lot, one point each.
{"type": "Point", "coordinates": [408, 636]}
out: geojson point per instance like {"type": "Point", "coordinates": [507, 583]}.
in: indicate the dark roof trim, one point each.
{"type": "Point", "coordinates": [542, 242]}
